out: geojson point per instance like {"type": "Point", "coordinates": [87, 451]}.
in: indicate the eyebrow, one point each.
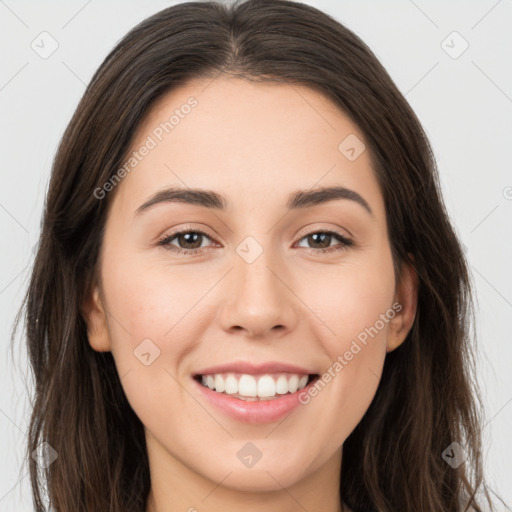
{"type": "Point", "coordinates": [210, 199]}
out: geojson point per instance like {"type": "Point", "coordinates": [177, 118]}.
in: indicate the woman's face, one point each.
{"type": "Point", "coordinates": [257, 288]}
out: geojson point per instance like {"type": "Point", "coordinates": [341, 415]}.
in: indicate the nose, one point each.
{"type": "Point", "coordinates": [257, 300]}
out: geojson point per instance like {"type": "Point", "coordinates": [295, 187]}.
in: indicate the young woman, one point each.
{"type": "Point", "coordinates": [247, 292]}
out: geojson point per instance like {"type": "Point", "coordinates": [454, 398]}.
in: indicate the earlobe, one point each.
{"type": "Point", "coordinates": [406, 294]}
{"type": "Point", "coordinates": [96, 320]}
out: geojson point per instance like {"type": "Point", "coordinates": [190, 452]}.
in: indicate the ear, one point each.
{"type": "Point", "coordinates": [96, 319]}
{"type": "Point", "coordinates": [406, 294]}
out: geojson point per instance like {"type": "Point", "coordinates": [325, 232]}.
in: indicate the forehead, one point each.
{"type": "Point", "coordinates": [247, 139]}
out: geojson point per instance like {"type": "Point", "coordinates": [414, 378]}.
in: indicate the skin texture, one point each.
{"type": "Point", "coordinates": [255, 144]}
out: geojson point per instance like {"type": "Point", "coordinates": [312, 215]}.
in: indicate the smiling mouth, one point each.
{"type": "Point", "coordinates": [249, 387]}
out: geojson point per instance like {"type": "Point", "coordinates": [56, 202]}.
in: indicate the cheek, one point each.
{"type": "Point", "coordinates": [151, 301]}
{"type": "Point", "coordinates": [153, 315]}
{"type": "Point", "coordinates": [156, 309]}
{"type": "Point", "coordinates": [346, 388]}
{"type": "Point", "coordinates": [351, 299]}
{"type": "Point", "coordinates": [358, 312]}
{"type": "Point", "coordinates": [355, 305]}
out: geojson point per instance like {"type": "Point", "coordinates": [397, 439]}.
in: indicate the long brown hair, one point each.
{"type": "Point", "coordinates": [427, 398]}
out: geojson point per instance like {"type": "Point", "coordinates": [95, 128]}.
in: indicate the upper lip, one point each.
{"type": "Point", "coordinates": [252, 368]}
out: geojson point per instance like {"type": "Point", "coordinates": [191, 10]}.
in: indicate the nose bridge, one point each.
{"type": "Point", "coordinates": [257, 300]}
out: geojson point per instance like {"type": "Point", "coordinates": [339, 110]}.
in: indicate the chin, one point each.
{"type": "Point", "coordinates": [259, 480]}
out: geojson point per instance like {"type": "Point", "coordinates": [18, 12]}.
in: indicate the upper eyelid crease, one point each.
{"type": "Point", "coordinates": [163, 241]}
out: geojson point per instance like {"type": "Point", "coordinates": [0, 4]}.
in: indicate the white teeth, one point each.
{"type": "Point", "coordinates": [231, 385]}
{"type": "Point", "coordinates": [219, 384]}
{"type": "Point", "coordinates": [247, 386]}
{"type": "Point", "coordinates": [293, 383]}
{"type": "Point", "coordinates": [282, 385]}
{"type": "Point", "coordinates": [264, 386]}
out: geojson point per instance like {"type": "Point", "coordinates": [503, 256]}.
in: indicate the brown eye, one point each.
{"type": "Point", "coordinates": [188, 241]}
{"type": "Point", "coordinates": [320, 241]}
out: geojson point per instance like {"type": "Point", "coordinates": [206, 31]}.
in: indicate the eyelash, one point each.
{"type": "Point", "coordinates": [165, 241]}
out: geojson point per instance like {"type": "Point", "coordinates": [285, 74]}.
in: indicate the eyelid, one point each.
{"type": "Point", "coordinates": [186, 229]}
{"type": "Point", "coordinates": [164, 241]}
{"type": "Point", "coordinates": [345, 240]}
{"type": "Point", "coordinates": [309, 230]}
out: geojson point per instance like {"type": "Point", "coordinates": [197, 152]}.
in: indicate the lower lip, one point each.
{"type": "Point", "coordinates": [258, 411]}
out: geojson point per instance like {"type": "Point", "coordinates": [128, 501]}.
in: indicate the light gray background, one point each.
{"type": "Point", "coordinates": [464, 103]}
